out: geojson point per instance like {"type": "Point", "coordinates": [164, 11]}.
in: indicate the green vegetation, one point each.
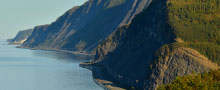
{"type": "Point", "coordinates": [197, 23]}
{"type": "Point", "coordinates": [195, 20]}
{"type": "Point", "coordinates": [205, 81]}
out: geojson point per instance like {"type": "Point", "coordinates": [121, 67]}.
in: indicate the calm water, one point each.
{"type": "Point", "coordinates": [23, 69]}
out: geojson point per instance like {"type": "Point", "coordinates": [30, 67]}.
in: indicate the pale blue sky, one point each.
{"type": "Point", "coordinates": [18, 15]}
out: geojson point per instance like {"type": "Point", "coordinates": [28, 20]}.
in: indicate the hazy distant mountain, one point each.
{"type": "Point", "coordinates": [82, 28]}
{"type": "Point", "coordinates": [20, 37]}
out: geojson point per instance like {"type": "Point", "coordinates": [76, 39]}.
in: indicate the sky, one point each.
{"type": "Point", "coordinates": [16, 15]}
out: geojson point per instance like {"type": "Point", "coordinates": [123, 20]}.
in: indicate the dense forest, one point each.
{"type": "Point", "coordinates": [196, 24]}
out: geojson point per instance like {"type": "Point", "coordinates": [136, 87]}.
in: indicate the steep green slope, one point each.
{"type": "Point", "coordinates": [197, 22]}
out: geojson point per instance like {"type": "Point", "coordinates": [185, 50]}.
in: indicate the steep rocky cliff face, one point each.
{"type": "Point", "coordinates": [83, 27]}
{"type": "Point", "coordinates": [181, 61]}
{"type": "Point", "coordinates": [133, 46]}
{"type": "Point", "coordinates": [38, 30]}
{"type": "Point", "coordinates": [134, 51]}
{"type": "Point", "coordinates": [21, 37]}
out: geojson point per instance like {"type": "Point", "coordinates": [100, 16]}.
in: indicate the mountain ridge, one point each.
{"type": "Point", "coordinates": [141, 44]}
{"type": "Point", "coordinates": [83, 27]}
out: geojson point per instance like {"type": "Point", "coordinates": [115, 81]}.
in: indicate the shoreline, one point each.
{"type": "Point", "coordinates": [99, 79]}
{"type": "Point", "coordinates": [97, 76]}
{"type": "Point", "coordinates": [90, 68]}
{"type": "Point", "coordinates": [96, 72]}
{"type": "Point", "coordinates": [19, 45]}
{"type": "Point", "coordinates": [57, 50]}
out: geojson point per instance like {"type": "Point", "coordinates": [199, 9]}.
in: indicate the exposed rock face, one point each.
{"type": "Point", "coordinates": [150, 25]}
{"type": "Point", "coordinates": [21, 37]}
{"type": "Point", "coordinates": [182, 61]}
{"type": "Point", "coordinates": [82, 28]}
{"type": "Point", "coordinates": [38, 30]}
{"type": "Point", "coordinates": [130, 51]}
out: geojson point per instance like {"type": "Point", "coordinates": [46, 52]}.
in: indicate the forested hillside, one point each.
{"type": "Point", "coordinates": [197, 23]}
{"type": "Point", "coordinates": [169, 39]}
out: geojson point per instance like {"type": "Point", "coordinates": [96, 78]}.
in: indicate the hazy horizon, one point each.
{"type": "Point", "coordinates": [25, 14]}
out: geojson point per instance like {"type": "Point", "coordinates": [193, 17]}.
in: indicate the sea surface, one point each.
{"type": "Point", "coordinates": [24, 69]}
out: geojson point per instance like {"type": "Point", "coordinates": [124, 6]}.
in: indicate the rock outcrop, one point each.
{"type": "Point", "coordinates": [182, 61]}
{"type": "Point", "coordinates": [129, 52]}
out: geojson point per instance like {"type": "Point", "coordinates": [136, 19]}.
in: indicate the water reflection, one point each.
{"type": "Point", "coordinates": [64, 56]}
{"type": "Point", "coordinates": [24, 69]}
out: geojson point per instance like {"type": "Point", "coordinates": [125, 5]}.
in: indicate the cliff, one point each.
{"type": "Point", "coordinates": [180, 62]}
{"type": "Point", "coordinates": [20, 37]}
{"type": "Point", "coordinates": [188, 34]}
{"type": "Point", "coordinates": [83, 27]}
{"type": "Point", "coordinates": [136, 45]}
